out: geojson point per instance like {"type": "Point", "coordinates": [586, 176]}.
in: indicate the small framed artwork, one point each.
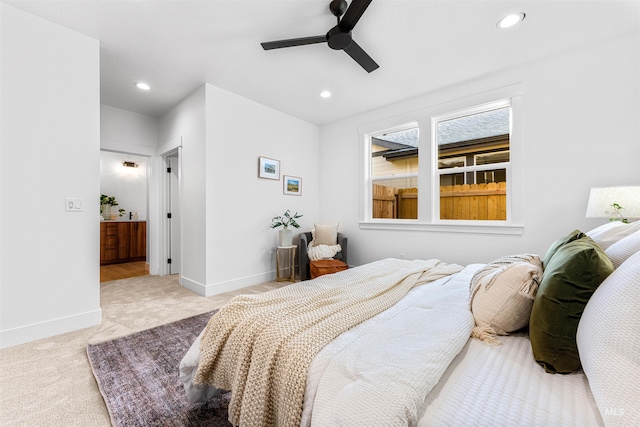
{"type": "Point", "coordinates": [292, 185]}
{"type": "Point", "coordinates": [269, 168]}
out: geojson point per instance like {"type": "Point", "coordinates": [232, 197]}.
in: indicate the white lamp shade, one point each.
{"type": "Point", "coordinates": [601, 200]}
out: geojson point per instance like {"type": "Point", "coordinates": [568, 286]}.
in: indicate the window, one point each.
{"type": "Point", "coordinates": [394, 174]}
{"type": "Point", "coordinates": [473, 162]}
{"type": "Point", "coordinates": [451, 167]}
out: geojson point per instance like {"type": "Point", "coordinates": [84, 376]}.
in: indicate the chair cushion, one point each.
{"type": "Point", "coordinates": [324, 235]}
{"type": "Point", "coordinates": [572, 274]}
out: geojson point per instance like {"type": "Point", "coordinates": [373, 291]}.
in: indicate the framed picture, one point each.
{"type": "Point", "coordinates": [269, 168]}
{"type": "Point", "coordinates": [292, 185]}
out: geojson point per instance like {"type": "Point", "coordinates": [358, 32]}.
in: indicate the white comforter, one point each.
{"type": "Point", "coordinates": [482, 386]}
{"type": "Point", "coordinates": [372, 374]}
{"type": "Point", "coordinates": [379, 373]}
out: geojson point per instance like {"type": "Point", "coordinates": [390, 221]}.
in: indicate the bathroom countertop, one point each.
{"type": "Point", "coordinates": [123, 220]}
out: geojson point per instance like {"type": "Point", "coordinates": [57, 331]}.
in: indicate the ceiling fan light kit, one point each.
{"type": "Point", "coordinates": [338, 37]}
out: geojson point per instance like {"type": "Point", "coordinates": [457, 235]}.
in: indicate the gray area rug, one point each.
{"type": "Point", "coordinates": [139, 380]}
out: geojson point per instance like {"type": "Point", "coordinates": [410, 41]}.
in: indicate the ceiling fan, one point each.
{"type": "Point", "coordinates": [339, 37]}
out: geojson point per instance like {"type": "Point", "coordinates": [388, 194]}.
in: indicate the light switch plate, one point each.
{"type": "Point", "coordinates": [73, 204]}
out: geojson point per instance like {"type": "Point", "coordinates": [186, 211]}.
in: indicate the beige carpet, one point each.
{"type": "Point", "coordinates": [49, 382]}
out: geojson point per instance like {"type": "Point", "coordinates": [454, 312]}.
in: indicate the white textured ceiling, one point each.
{"type": "Point", "coordinates": [420, 45]}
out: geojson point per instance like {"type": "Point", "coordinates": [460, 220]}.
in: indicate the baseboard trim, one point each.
{"type": "Point", "coordinates": [193, 286]}
{"type": "Point", "coordinates": [239, 283]}
{"type": "Point", "coordinates": [227, 286]}
{"type": "Point", "coordinates": [49, 328]}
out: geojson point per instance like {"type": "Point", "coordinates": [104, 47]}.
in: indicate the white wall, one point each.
{"type": "Point", "coordinates": [50, 142]}
{"type": "Point", "coordinates": [127, 132]}
{"type": "Point", "coordinates": [240, 242]}
{"type": "Point", "coordinates": [186, 122]}
{"type": "Point", "coordinates": [581, 129]}
{"type": "Point", "coordinates": [227, 209]}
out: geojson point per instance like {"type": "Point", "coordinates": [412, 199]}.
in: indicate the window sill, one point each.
{"type": "Point", "coordinates": [487, 227]}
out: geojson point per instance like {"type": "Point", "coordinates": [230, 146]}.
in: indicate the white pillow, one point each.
{"type": "Point", "coordinates": [609, 344]}
{"type": "Point", "coordinates": [324, 235]}
{"type": "Point", "coordinates": [609, 233]}
{"type": "Point", "coordinates": [624, 248]}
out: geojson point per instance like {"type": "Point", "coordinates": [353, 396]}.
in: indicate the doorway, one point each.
{"type": "Point", "coordinates": [124, 184]}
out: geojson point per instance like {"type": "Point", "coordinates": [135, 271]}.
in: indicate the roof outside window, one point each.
{"type": "Point", "coordinates": [466, 128]}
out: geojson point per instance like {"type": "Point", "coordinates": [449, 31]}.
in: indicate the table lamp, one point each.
{"type": "Point", "coordinates": [616, 203]}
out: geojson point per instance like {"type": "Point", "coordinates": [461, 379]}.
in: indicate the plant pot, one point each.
{"type": "Point", "coordinates": [106, 212]}
{"type": "Point", "coordinates": [286, 237]}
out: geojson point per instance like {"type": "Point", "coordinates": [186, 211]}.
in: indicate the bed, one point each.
{"type": "Point", "coordinates": [414, 363]}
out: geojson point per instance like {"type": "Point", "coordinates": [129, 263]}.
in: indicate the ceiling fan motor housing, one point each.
{"type": "Point", "coordinates": [338, 39]}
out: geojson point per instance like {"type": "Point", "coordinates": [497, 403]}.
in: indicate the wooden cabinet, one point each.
{"type": "Point", "coordinates": [124, 232]}
{"type": "Point", "coordinates": [123, 242]}
{"type": "Point", "coordinates": [138, 240]}
{"type": "Point", "coordinates": [108, 242]}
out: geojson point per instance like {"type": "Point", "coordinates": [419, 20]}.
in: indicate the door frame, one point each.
{"type": "Point", "coordinates": [165, 208]}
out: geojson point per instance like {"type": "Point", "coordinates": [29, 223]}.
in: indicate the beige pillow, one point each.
{"type": "Point", "coordinates": [502, 294]}
{"type": "Point", "coordinates": [324, 235]}
{"type": "Point", "coordinates": [623, 249]}
{"type": "Point", "coordinates": [611, 232]}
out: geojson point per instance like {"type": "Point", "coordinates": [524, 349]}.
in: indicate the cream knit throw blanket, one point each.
{"type": "Point", "coordinates": [319, 252]}
{"type": "Point", "coordinates": [260, 346]}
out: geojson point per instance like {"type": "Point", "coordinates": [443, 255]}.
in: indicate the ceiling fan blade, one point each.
{"type": "Point", "coordinates": [293, 42]}
{"type": "Point", "coordinates": [361, 57]}
{"type": "Point", "coordinates": [353, 14]}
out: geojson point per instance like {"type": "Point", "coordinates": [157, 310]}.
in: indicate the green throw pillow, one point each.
{"type": "Point", "coordinates": [575, 234]}
{"type": "Point", "coordinates": [572, 274]}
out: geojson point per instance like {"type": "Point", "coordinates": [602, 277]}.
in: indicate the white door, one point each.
{"type": "Point", "coordinates": [174, 215]}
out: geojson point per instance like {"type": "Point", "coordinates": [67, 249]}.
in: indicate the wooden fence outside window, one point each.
{"type": "Point", "coordinates": [463, 202]}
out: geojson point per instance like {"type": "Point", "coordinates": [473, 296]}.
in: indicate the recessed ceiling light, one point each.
{"type": "Point", "coordinates": [510, 20]}
{"type": "Point", "coordinates": [325, 94]}
{"type": "Point", "coordinates": [143, 86]}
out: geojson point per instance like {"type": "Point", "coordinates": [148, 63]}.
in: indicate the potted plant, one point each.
{"type": "Point", "coordinates": [285, 220]}
{"type": "Point", "coordinates": [106, 203]}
